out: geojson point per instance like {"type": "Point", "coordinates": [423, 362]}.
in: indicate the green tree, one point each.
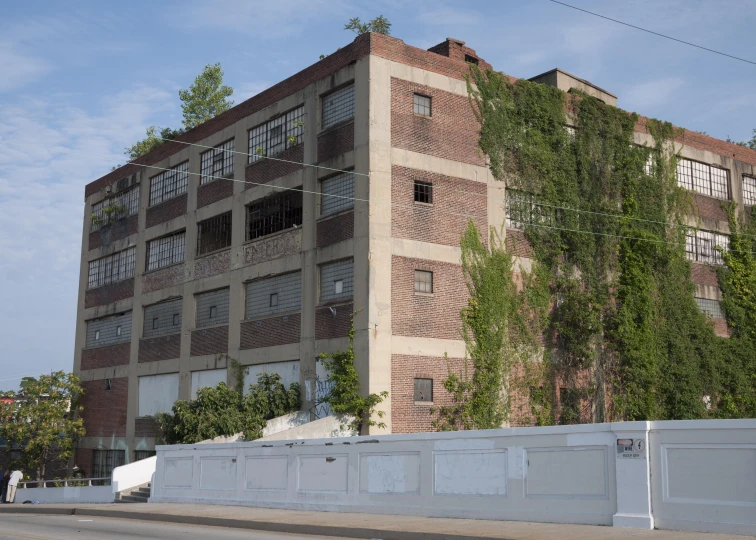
{"type": "Point", "coordinates": [151, 141]}
{"type": "Point", "coordinates": [44, 420]}
{"type": "Point", "coordinates": [379, 25]}
{"type": "Point", "coordinates": [748, 144]}
{"type": "Point", "coordinates": [206, 97]}
{"type": "Point", "coordinates": [345, 396]}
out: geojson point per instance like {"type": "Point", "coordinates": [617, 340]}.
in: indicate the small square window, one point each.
{"type": "Point", "coordinates": [471, 59]}
{"type": "Point", "coordinates": [213, 311]}
{"type": "Point", "coordinates": [423, 281]}
{"type": "Point", "coordinates": [338, 286]}
{"type": "Point", "coordinates": [118, 330]}
{"type": "Point", "coordinates": [423, 192]}
{"type": "Point", "coordinates": [107, 384]}
{"type": "Point", "coordinates": [423, 389]}
{"type": "Point", "coordinates": [422, 105]}
{"type": "Point", "coordinates": [274, 300]}
{"type": "Point", "coordinates": [155, 323]}
{"type": "Point", "coordinates": [175, 319]}
{"type": "Point", "coordinates": [97, 335]}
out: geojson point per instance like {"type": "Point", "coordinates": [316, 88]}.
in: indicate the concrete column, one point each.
{"type": "Point", "coordinates": [633, 475]}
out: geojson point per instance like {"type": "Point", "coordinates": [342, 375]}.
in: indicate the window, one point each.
{"type": "Point", "coordinates": [423, 281]}
{"type": "Point", "coordinates": [217, 162]}
{"type": "Point", "coordinates": [212, 308]}
{"type": "Point", "coordinates": [422, 105]}
{"type": "Point", "coordinates": [277, 294]}
{"type": "Point", "coordinates": [712, 308]}
{"type": "Point", "coordinates": [423, 192]}
{"type": "Point", "coordinates": [107, 330]}
{"type": "Point", "coordinates": [423, 389]}
{"type": "Point", "coordinates": [338, 106]}
{"type": "Point", "coordinates": [112, 268]}
{"type": "Point", "coordinates": [703, 178]}
{"type": "Point", "coordinates": [337, 194]}
{"type": "Point", "coordinates": [749, 190]}
{"type": "Point", "coordinates": [277, 135]}
{"type": "Point", "coordinates": [104, 461]}
{"type": "Point", "coordinates": [169, 184]}
{"type": "Point", "coordinates": [275, 213]}
{"type": "Point", "coordinates": [162, 318]}
{"type": "Point", "coordinates": [114, 208]}
{"type": "Point", "coordinates": [139, 455]}
{"type": "Point", "coordinates": [700, 246]}
{"type": "Point", "coordinates": [471, 59]}
{"type": "Point", "coordinates": [166, 250]}
{"type": "Point", "coordinates": [336, 280]}
{"type": "Point", "coordinates": [214, 234]}
{"type": "Point", "coordinates": [108, 384]}
{"type": "Point", "coordinates": [649, 167]}
{"type": "Point", "coordinates": [522, 209]}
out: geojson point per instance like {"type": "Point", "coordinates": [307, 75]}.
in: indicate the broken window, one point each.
{"type": "Point", "coordinates": [112, 268]}
{"type": "Point", "coordinates": [113, 208]}
{"type": "Point", "coordinates": [701, 246]}
{"type": "Point", "coordinates": [338, 106]}
{"type": "Point", "coordinates": [423, 192]}
{"type": "Point", "coordinates": [422, 105]}
{"type": "Point", "coordinates": [277, 135]}
{"type": "Point", "coordinates": [275, 213]}
{"type": "Point", "coordinates": [169, 184]}
{"type": "Point", "coordinates": [703, 178]}
{"type": "Point", "coordinates": [166, 250]}
{"type": "Point", "coordinates": [217, 162]}
{"type": "Point", "coordinates": [214, 234]}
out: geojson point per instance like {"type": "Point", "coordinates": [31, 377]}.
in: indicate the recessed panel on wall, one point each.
{"type": "Point", "coordinates": [390, 473]}
{"type": "Point", "coordinates": [470, 472]}
{"type": "Point", "coordinates": [566, 472]}
{"type": "Point", "coordinates": [709, 474]}
{"type": "Point", "coordinates": [177, 472]}
{"type": "Point", "coordinates": [218, 473]}
{"type": "Point", "coordinates": [325, 473]}
{"type": "Point", "coordinates": [266, 473]}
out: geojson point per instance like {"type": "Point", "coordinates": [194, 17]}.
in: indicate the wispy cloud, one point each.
{"type": "Point", "coordinates": [18, 67]}
{"type": "Point", "coordinates": [650, 94]}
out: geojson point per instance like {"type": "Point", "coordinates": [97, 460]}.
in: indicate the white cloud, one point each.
{"type": "Point", "coordinates": [244, 91]}
{"type": "Point", "coordinates": [651, 94]}
{"type": "Point", "coordinates": [19, 68]}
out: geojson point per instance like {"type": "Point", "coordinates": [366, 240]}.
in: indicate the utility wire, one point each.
{"type": "Point", "coordinates": [652, 32]}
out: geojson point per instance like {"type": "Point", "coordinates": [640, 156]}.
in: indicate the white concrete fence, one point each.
{"type": "Point", "coordinates": [689, 475]}
{"type": "Point", "coordinates": [65, 491]}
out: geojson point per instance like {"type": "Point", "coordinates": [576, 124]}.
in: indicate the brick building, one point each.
{"type": "Point", "coordinates": [229, 245]}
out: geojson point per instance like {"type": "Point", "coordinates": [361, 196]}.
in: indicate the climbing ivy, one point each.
{"type": "Point", "coordinates": [624, 337]}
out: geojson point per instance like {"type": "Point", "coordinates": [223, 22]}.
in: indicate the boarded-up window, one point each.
{"type": "Point", "coordinates": [162, 318]}
{"type": "Point", "coordinates": [107, 330]}
{"type": "Point", "coordinates": [278, 294]}
{"type": "Point", "coordinates": [337, 193]}
{"type": "Point", "coordinates": [212, 308]}
{"type": "Point", "coordinates": [338, 106]}
{"type": "Point", "coordinates": [336, 280]}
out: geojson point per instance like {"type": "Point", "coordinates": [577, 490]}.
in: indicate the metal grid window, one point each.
{"type": "Point", "coordinates": [115, 267]}
{"type": "Point", "coordinates": [749, 190]}
{"type": "Point", "coordinates": [712, 308]}
{"type": "Point", "coordinates": [700, 246]}
{"type": "Point", "coordinates": [104, 461]}
{"type": "Point", "coordinates": [114, 208]}
{"type": "Point", "coordinates": [422, 105]}
{"type": "Point", "coordinates": [217, 162]}
{"type": "Point", "coordinates": [337, 194]}
{"type": "Point", "coordinates": [275, 213]}
{"type": "Point", "coordinates": [423, 281]}
{"type": "Point", "coordinates": [166, 250]}
{"type": "Point", "coordinates": [169, 184]}
{"type": "Point", "coordinates": [336, 280]}
{"type": "Point", "coordinates": [423, 389]}
{"type": "Point", "coordinates": [703, 178]}
{"type": "Point", "coordinates": [522, 209]}
{"type": "Point", "coordinates": [162, 318]}
{"type": "Point", "coordinates": [214, 234]}
{"type": "Point", "coordinates": [139, 455]}
{"type": "Point", "coordinates": [107, 330]}
{"type": "Point", "coordinates": [212, 308]}
{"type": "Point", "coordinates": [277, 135]}
{"type": "Point", "coordinates": [278, 294]}
{"type": "Point", "coordinates": [423, 192]}
{"type": "Point", "coordinates": [338, 106]}
{"type": "Point", "coordinates": [649, 167]}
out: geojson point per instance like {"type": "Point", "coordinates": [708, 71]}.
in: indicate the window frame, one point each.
{"type": "Point", "coordinates": [336, 118]}
{"type": "Point", "coordinates": [261, 221]}
{"type": "Point", "coordinates": [340, 199]}
{"type": "Point", "coordinates": [699, 178]}
{"type": "Point", "coordinates": [175, 182]}
{"type": "Point", "coordinates": [422, 189]}
{"type": "Point", "coordinates": [700, 249]}
{"type": "Point", "coordinates": [118, 266]}
{"type": "Point", "coordinates": [131, 197]}
{"type": "Point", "coordinates": [260, 141]}
{"type": "Point", "coordinates": [418, 106]}
{"type": "Point", "coordinates": [420, 284]}
{"type": "Point", "coordinates": [426, 381]}
{"type": "Point", "coordinates": [208, 161]}
{"type": "Point", "coordinates": [749, 195]}
{"type": "Point", "coordinates": [225, 233]}
{"type": "Point", "coordinates": [176, 251]}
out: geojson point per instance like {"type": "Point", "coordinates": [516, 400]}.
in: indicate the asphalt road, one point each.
{"type": "Point", "coordinates": [48, 527]}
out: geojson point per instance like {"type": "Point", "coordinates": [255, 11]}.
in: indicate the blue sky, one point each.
{"type": "Point", "coordinates": [81, 80]}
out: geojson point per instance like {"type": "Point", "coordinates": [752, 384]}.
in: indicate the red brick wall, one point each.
{"type": "Point", "coordinates": [450, 133]}
{"type": "Point", "coordinates": [267, 249]}
{"type": "Point", "coordinates": [166, 210]}
{"type": "Point", "coordinates": [443, 222]}
{"type": "Point", "coordinates": [214, 191]}
{"type": "Point", "coordinates": [431, 316]}
{"type": "Point", "coordinates": [210, 341]}
{"type": "Point", "coordinates": [110, 293]}
{"type": "Point", "coordinates": [336, 141]}
{"type": "Point", "coordinates": [212, 265]}
{"type": "Point", "coordinates": [720, 327]}
{"type": "Point", "coordinates": [518, 245]}
{"type": "Point", "coordinates": [456, 50]}
{"type": "Point", "coordinates": [83, 459]}
{"type": "Point", "coordinates": [327, 326]}
{"type": "Point", "coordinates": [336, 229]}
{"type": "Point", "coordinates": [159, 348]}
{"type": "Point", "coordinates": [165, 277]}
{"type": "Point", "coordinates": [145, 427]}
{"type": "Point", "coordinates": [704, 274]}
{"type": "Point", "coordinates": [114, 231]}
{"type": "Point", "coordinates": [267, 170]}
{"type": "Point", "coordinates": [406, 416]}
{"type": "Point", "coordinates": [108, 356]}
{"type": "Point", "coordinates": [708, 207]}
{"type": "Point", "coordinates": [270, 332]}
{"type": "Point", "coordinates": [105, 410]}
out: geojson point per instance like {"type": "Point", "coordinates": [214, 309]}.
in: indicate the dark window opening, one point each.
{"type": "Point", "coordinates": [274, 300]}
{"type": "Point", "coordinates": [143, 454]}
{"type": "Point", "coordinates": [423, 389]}
{"type": "Point", "coordinates": [213, 311]}
{"type": "Point", "coordinates": [423, 192]}
{"type": "Point", "coordinates": [107, 384]}
{"type": "Point", "coordinates": [471, 59]}
{"type": "Point", "coordinates": [214, 234]}
{"type": "Point", "coordinates": [155, 323]}
{"type": "Point", "coordinates": [273, 214]}
{"type": "Point", "coordinates": [175, 319]}
{"type": "Point", "coordinates": [104, 461]}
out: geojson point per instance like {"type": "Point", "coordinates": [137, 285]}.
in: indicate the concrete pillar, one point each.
{"type": "Point", "coordinates": [633, 475]}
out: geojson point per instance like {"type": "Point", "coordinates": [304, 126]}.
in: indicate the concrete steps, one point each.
{"type": "Point", "coordinates": [140, 494]}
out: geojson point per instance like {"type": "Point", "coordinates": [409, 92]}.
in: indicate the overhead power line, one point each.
{"type": "Point", "coordinates": [652, 32]}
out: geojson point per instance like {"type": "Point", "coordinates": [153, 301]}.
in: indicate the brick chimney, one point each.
{"type": "Point", "coordinates": [456, 50]}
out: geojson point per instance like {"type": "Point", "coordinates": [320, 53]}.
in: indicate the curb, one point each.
{"type": "Point", "coordinates": [268, 526]}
